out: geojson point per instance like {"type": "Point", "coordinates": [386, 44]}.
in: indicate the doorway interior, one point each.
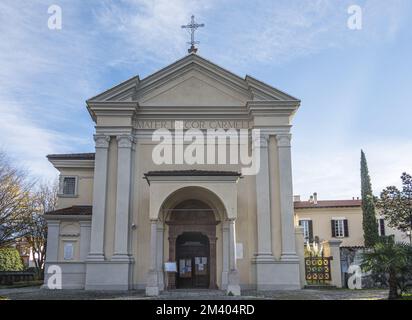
{"type": "Point", "coordinates": [193, 258]}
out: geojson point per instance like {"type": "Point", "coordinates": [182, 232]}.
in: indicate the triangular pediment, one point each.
{"type": "Point", "coordinates": [192, 81]}
{"type": "Point", "coordinates": [194, 88]}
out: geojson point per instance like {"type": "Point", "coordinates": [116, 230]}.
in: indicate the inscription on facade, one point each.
{"type": "Point", "coordinates": [194, 124]}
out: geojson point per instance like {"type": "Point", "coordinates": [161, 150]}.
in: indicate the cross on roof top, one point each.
{"type": "Point", "coordinates": [192, 26]}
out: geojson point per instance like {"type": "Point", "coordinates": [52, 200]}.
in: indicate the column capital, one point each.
{"type": "Point", "coordinates": [125, 141]}
{"type": "Point", "coordinates": [261, 140]}
{"type": "Point", "coordinates": [101, 140]}
{"type": "Point", "coordinates": [283, 139]}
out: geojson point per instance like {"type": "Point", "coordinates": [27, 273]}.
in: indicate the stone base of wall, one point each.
{"type": "Point", "coordinates": [108, 275]}
{"type": "Point", "coordinates": [73, 275]}
{"type": "Point", "coordinates": [278, 275]}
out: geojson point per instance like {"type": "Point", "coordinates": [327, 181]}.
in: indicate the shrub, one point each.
{"type": "Point", "coordinates": [10, 260]}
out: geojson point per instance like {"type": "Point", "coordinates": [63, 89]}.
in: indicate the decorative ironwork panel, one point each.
{"type": "Point", "coordinates": [317, 269]}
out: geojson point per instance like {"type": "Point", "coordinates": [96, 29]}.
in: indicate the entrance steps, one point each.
{"type": "Point", "coordinates": [192, 293]}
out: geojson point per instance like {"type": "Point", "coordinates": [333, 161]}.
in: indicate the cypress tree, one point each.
{"type": "Point", "coordinates": [369, 222]}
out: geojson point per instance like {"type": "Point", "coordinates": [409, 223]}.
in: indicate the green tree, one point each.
{"type": "Point", "coordinates": [15, 201]}
{"type": "Point", "coordinates": [396, 205]}
{"type": "Point", "coordinates": [369, 223]}
{"type": "Point", "coordinates": [10, 260]}
{"type": "Point", "coordinates": [390, 261]}
{"type": "Point", "coordinates": [44, 200]}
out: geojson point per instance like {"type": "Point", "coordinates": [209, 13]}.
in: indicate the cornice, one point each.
{"type": "Point", "coordinates": [108, 108]}
{"type": "Point", "coordinates": [72, 163]}
{"type": "Point", "coordinates": [57, 218]}
{"type": "Point", "coordinates": [268, 89]}
{"type": "Point", "coordinates": [112, 92]}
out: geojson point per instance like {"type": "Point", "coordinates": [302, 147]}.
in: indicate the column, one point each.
{"type": "Point", "coordinates": [286, 198]}
{"type": "Point", "coordinates": [124, 161]}
{"type": "Point", "coordinates": [152, 288]}
{"type": "Point", "coordinates": [85, 229]}
{"type": "Point", "coordinates": [171, 276]}
{"type": "Point", "coordinates": [159, 256]}
{"type": "Point", "coordinates": [233, 283]}
{"type": "Point", "coordinates": [212, 262]}
{"type": "Point", "coordinates": [99, 198]}
{"type": "Point", "coordinates": [264, 227]}
{"type": "Point", "coordinates": [52, 250]}
{"type": "Point", "coordinates": [225, 253]}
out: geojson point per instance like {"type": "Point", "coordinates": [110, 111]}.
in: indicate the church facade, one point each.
{"type": "Point", "coordinates": [190, 186]}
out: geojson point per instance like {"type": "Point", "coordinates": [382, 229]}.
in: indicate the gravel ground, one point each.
{"type": "Point", "coordinates": [35, 293]}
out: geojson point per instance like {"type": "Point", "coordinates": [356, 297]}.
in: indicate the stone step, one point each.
{"type": "Point", "coordinates": [193, 293]}
{"type": "Point", "coordinates": [319, 286]}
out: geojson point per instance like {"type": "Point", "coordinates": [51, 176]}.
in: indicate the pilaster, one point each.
{"type": "Point", "coordinates": [99, 198]}
{"type": "Point", "coordinates": [286, 198]}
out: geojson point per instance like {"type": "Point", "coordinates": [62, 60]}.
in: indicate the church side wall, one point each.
{"type": "Point", "coordinates": [84, 189]}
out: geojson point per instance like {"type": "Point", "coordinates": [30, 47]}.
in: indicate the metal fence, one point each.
{"type": "Point", "coordinates": [317, 269]}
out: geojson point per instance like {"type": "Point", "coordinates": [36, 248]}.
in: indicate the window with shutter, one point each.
{"type": "Point", "coordinates": [382, 227]}
{"type": "Point", "coordinates": [310, 230]}
{"type": "Point", "coordinates": [345, 228]}
{"type": "Point", "coordinates": [306, 224]}
{"type": "Point", "coordinates": [339, 228]}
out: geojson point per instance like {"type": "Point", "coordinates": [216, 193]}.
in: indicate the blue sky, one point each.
{"type": "Point", "coordinates": [355, 86]}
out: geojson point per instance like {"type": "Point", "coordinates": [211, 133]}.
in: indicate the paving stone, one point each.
{"type": "Point", "coordinates": [35, 293]}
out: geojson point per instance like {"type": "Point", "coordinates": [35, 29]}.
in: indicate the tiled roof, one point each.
{"type": "Point", "coordinates": [190, 173]}
{"type": "Point", "coordinates": [327, 204]}
{"type": "Point", "coordinates": [71, 156]}
{"type": "Point", "coordinates": [72, 211]}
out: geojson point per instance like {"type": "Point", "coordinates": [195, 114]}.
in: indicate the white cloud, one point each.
{"type": "Point", "coordinates": [240, 32]}
{"type": "Point", "coordinates": [149, 30]}
{"type": "Point", "coordinates": [39, 87]}
{"type": "Point", "coordinates": [45, 76]}
{"type": "Point", "coordinates": [334, 171]}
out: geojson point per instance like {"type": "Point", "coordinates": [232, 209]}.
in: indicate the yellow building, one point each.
{"type": "Point", "coordinates": [337, 219]}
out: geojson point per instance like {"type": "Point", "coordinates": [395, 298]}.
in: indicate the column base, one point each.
{"type": "Point", "coordinates": [109, 275]}
{"type": "Point", "coordinates": [95, 257]}
{"type": "Point", "coordinates": [121, 257]}
{"type": "Point", "coordinates": [225, 279]}
{"type": "Point", "coordinates": [152, 291]}
{"type": "Point", "coordinates": [277, 275]}
{"type": "Point", "coordinates": [264, 258]}
{"type": "Point", "coordinates": [233, 286]}
{"type": "Point", "coordinates": [152, 287]}
{"type": "Point", "coordinates": [289, 256]}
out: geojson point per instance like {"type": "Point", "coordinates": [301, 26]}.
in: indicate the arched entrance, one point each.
{"type": "Point", "coordinates": [192, 244]}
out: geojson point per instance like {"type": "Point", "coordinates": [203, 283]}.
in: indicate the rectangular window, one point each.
{"type": "Point", "coordinates": [339, 228]}
{"type": "Point", "coordinates": [307, 229]}
{"type": "Point", "coordinates": [69, 186]}
{"type": "Point", "coordinates": [68, 250]}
